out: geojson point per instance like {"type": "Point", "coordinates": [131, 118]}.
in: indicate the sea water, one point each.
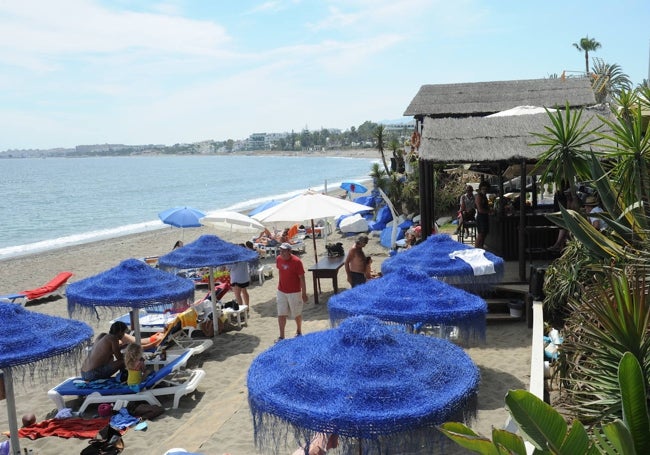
{"type": "Point", "coordinates": [53, 202]}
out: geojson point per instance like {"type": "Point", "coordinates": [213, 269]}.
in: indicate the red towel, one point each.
{"type": "Point", "coordinates": [73, 427]}
{"type": "Point", "coordinates": [51, 286]}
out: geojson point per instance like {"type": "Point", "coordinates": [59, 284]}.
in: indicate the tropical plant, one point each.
{"type": "Point", "coordinates": [411, 192]}
{"type": "Point", "coordinates": [567, 144]}
{"type": "Point", "coordinates": [628, 149]}
{"type": "Point", "coordinates": [547, 431]}
{"type": "Point", "coordinates": [609, 317]}
{"type": "Point", "coordinates": [379, 177]}
{"type": "Point", "coordinates": [380, 141]}
{"type": "Point", "coordinates": [624, 191]}
{"type": "Point", "coordinates": [564, 276]}
{"type": "Point", "coordinates": [587, 45]}
{"type": "Point", "coordinates": [608, 80]}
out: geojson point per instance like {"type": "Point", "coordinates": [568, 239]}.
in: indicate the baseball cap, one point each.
{"type": "Point", "coordinates": [285, 246]}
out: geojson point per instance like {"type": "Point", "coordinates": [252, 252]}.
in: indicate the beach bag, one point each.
{"type": "Point", "coordinates": [335, 249]}
{"type": "Point", "coordinates": [145, 410]}
{"type": "Point", "coordinates": [207, 327]}
{"type": "Point", "coordinates": [108, 441]}
{"type": "Point", "coordinates": [232, 304]}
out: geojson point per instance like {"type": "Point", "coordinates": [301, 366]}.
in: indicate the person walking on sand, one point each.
{"type": "Point", "coordinates": [292, 289]}
{"type": "Point", "coordinates": [355, 262]}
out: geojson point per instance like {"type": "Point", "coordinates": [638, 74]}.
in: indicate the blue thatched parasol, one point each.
{"type": "Point", "coordinates": [432, 257]}
{"type": "Point", "coordinates": [207, 251]}
{"type": "Point", "coordinates": [129, 286]}
{"type": "Point", "coordinates": [413, 299]}
{"type": "Point", "coordinates": [36, 342]}
{"type": "Point", "coordinates": [379, 389]}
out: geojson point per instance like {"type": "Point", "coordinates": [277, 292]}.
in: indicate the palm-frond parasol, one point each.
{"type": "Point", "coordinates": [36, 342]}
{"type": "Point", "coordinates": [435, 256]}
{"type": "Point", "coordinates": [381, 390]}
{"type": "Point", "coordinates": [413, 299]}
{"type": "Point", "coordinates": [129, 286]}
{"type": "Point", "coordinates": [207, 251]}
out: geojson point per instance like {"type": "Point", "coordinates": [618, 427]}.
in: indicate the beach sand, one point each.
{"type": "Point", "coordinates": [216, 419]}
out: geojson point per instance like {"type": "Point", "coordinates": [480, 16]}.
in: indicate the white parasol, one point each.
{"type": "Point", "coordinates": [309, 206]}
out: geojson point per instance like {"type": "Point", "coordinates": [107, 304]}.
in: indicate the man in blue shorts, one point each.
{"type": "Point", "coordinates": [106, 357]}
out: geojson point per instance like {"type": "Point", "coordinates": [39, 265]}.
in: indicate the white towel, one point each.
{"type": "Point", "coordinates": [476, 259]}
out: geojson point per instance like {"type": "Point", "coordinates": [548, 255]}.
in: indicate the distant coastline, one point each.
{"type": "Point", "coordinates": [59, 153]}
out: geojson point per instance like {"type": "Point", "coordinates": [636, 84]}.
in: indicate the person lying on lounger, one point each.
{"type": "Point", "coordinates": [266, 238]}
{"type": "Point", "coordinates": [251, 246]}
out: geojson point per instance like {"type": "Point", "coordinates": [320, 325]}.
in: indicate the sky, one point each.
{"type": "Point", "coordinates": [135, 72]}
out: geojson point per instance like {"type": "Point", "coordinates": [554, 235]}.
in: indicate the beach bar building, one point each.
{"type": "Point", "coordinates": [486, 126]}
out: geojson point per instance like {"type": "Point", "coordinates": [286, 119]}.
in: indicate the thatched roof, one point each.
{"type": "Point", "coordinates": [481, 139]}
{"type": "Point", "coordinates": [484, 98]}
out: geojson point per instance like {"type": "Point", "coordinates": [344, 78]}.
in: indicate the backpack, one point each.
{"type": "Point", "coordinates": [108, 441]}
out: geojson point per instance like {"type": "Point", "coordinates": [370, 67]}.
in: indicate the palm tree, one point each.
{"type": "Point", "coordinates": [608, 80]}
{"type": "Point", "coordinates": [381, 145]}
{"type": "Point", "coordinates": [587, 45]}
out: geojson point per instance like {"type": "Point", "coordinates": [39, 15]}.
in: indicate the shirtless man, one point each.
{"type": "Point", "coordinates": [355, 262]}
{"type": "Point", "coordinates": [105, 358]}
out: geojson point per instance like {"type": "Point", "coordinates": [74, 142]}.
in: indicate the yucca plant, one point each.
{"type": "Point", "coordinates": [567, 144]}
{"type": "Point", "coordinates": [609, 317]}
{"type": "Point", "coordinates": [627, 148]}
{"type": "Point", "coordinates": [564, 276]}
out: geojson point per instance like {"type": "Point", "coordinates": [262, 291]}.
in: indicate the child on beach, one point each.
{"type": "Point", "coordinates": [134, 362]}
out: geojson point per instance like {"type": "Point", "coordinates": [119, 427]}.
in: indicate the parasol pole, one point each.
{"type": "Point", "coordinates": [213, 299]}
{"type": "Point", "coordinates": [313, 237]}
{"type": "Point", "coordinates": [135, 317]}
{"type": "Point", "coordinates": [11, 411]}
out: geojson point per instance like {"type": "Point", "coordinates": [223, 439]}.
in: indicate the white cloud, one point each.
{"type": "Point", "coordinates": [74, 27]}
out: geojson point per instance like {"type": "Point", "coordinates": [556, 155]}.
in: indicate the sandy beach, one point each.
{"type": "Point", "coordinates": [216, 418]}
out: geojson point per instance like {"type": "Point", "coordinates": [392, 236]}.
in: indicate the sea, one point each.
{"type": "Point", "coordinates": [49, 203]}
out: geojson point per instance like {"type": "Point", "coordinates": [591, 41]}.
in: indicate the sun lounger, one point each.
{"type": "Point", "coordinates": [169, 380]}
{"type": "Point", "coordinates": [172, 332]}
{"type": "Point", "coordinates": [53, 287]}
{"type": "Point", "coordinates": [11, 298]}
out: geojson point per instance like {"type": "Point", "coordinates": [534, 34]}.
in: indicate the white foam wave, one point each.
{"type": "Point", "coordinates": [77, 239]}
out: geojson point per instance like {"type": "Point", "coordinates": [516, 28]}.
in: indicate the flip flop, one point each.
{"type": "Point", "coordinates": [142, 426]}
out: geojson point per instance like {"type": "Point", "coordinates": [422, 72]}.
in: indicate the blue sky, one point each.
{"type": "Point", "coordinates": [164, 72]}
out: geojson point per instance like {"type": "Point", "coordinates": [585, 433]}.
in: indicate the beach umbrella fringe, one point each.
{"type": "Point", "coordinates": [470, 331]}
{"type": "Point", "coordinates": [273, 434]}
{"type": "Point", "coordinates": [423, 305]}
{"type": "Point", "coordinates": [366, 383]}
{"type": "Point", "coordinates": [63, 362]}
